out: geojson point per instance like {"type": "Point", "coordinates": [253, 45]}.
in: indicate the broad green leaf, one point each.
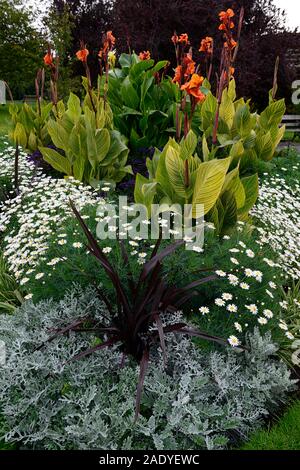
{"type": "Point", "coordinates": [91, 142]}
{"type": "Point", "coordinates": [249, 141]}
{"type": "Point", "coordinates": [144, 192]}
{"type": "Point", "coordinates": [175, 168]}
{"type": "Point", "coordinates": [78, 168]}
{"type": "Point", "coordinates": [232, 90]}
{"type": "Point", "coordinates": [243, 121]}
{"type": "Point", "coordinates": [129, 112]}
{"type": "Point", "coordinates": [20, 135]}
{"type": "Point", "coordinates": [46, 110]}
{"type": "Point", "coordinates": [117, 146]}
{"type": "Point", "coordinates": [277, 135]}
{"type": "Point", "coordinates": [229, 212]}
{"type": "Point", "coordinates": [205, 149]}
{"type": "Point", "coordinates": [264, 146]}
{"type": "Point", "coordinates": [162, 176]}
{"type": "Point", "coordinates": [237, 151]}
{"type": "Point", "coordinates": [273, 114]}
{"type": "Point", "coordinates": [188, 145]}
{"type": "Point", "coordinates": [58, 134]}
{"type": "Point", "coordinates": [251, 187]}
{"type": "Point", "coordinates": [74, 107]}
{"type": "Point", "coordinates": [160, 65]}
{"type": "Point", "coordinates": [102, 140]}
{"type": "Point", "coordinates": [208, 111]}
{"type": "Point", "coordinates": [209, 182]}
{"type": "Point", "coordinates": [146, 85]}
{"type": "Point", "coordinates": [234, 185]}
{"type": "Point", "coordinates": [32, 141]}
{"type": "Point", "coordinates": [57, 161]}
{"type": "Point", "coordinates": [137, 69]}
{"type": "Point", "coordinates": [129, 95]}
{"type": "Point", "coordinates": [227, 110]}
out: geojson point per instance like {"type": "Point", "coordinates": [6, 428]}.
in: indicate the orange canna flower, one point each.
{"type": "Point", "coordinates": [183, 39]}
{"type": "Point", "coordinates": [193, 87]}
{"type": "Point", "coordinates": [108, 42]}
{"type": "Point", "coordinates": [82, 55]}
{"type": "Point", "coordinates": [207, 45]}
{"type": "Point", "coordinates": [178, 74]}
{"type": "Point", "coordinates": [189, 65]}
{"type": "Point", "coordinates": [230, 44]}
{"type": "Point", "coordinates": [110, 38]}
{"type": "Point", "coordinates": [174, 39]}
{"type": "Point", "coordinates": [145, 55]}
{"type": "Point", "coordinates": [225, 17]}
{"type": "Point", "coordinates": [48, 59]}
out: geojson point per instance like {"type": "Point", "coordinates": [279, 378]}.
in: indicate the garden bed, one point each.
{"type": "Point", "coordinates": [115, 336]}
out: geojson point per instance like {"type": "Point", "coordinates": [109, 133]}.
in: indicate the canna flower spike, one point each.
{"type": "Point", "coordinates": [183, 39]}
{"type": "Point", "coordinates": [206, 45]}
{"type": "Point", "coordinates": [48, 59]}
{"type": "Point", "coordinates": [193, 88]}
{"type": "Point", "coordinates": [82, 54]}
{"type": "Point", "coordinates": [145, 55]}
{"type": "Point", "coordinates": [225, 18]}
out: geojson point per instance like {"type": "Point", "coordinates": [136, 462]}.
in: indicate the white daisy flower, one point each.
{"type": "Point", "coordinates": [77, 245]}
{"type": "Point", "coordinates": [227, 296]}
{"type": "Point", "coordinates": [250, 254]}
{"type": "Point", "coordinates": [220, 273]}
{"type": "Point", "coordinates": [268, 313]}
{"type": "Point", "coordinates": [252, 308]}
{"type": "Point", "coordinates": [262, 320]}
{"type": "Point", "coordinates": [238, 327]}
{"type": "Point", "coordinates": [204, 310]}
{"type": "Point", "coordinates": [39, 275]}
{"type": "Point", "coordinates": [233, 341]}
{"type": "Point", "coordinates": [244, 286]}
{"type": "Point", "coordinates": [231, 308]}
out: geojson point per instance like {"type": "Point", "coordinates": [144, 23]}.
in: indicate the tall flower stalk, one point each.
{"type": "Point", "coordinates": [53, 64]}
{"type": "Point", "coordinates": [228, 57]}
{"type": "Point", "coordinates": [107, 58]}
{"type": "Point", "coordinates": [82, 55]}
{"type": "Point", "coordinates": [188, 80]}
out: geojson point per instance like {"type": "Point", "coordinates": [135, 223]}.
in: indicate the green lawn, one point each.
{"type": "Point", "coordinates": [285, 435]}
{"type": "Point", "coordinates": [5, 122]}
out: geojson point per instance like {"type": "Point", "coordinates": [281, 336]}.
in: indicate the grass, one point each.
{"type": "Point", "coordinates": [5, 121]}
{"type": "Point", "coordinates": [285, 435]}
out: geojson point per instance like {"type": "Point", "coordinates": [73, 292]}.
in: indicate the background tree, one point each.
{"type": "Point", "coordinates": [59, 25]}
{"type": "Point", "coordinates": [89, 20]}
{"type": "Point", "coordinates": [21, 49]}
{"type": "Point", "coordinates": [149, 25]}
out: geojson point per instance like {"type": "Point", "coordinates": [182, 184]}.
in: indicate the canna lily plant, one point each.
{"type": "Point", "coordinates": [142, 99]}
{"type": "Point", "coordinates": [30, 123]}
{"type": "Point", "coordinates": [135, 324]}
{"type": "Point", "coordinates": [177, 175]}
{"type": "Point", "coordinates": [92, 150]}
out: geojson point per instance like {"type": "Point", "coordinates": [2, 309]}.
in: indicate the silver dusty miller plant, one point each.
{"type": "Point", "coordinates": [199, 401]}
